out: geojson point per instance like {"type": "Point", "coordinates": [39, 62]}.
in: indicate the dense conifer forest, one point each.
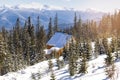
{"type": "Point", "coordinates": [24, 46]}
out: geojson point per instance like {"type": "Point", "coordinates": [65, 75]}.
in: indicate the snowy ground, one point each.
{"type": "Point", "coordinates": [95, 71]}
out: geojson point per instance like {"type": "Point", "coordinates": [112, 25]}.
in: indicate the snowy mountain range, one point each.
{"type": "Point", "coordinates": [9, 14]}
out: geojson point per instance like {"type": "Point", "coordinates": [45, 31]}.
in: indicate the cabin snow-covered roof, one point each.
{"type": "Point", "coordinates": [59, 39]}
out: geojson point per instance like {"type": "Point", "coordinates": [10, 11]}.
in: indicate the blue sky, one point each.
{"type": "Point", "coordinates": [100, 5]}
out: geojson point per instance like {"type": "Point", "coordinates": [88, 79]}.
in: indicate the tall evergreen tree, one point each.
{"type": "Point", "coordinates": [75, 21]}
{"type": "Point", "coordinates": [26, 44]}
{"type": "Point", "coordinates": [50, 29]}
{"type": "Point", "coordinates": [79, 32]}
{"type": "Point", "coordinates": [5, 63]}
{"type": "Point", "coordinates": [113, 45]}
{"type": "Point", "coordinates": [32, 46]}
{"type": "Point", "coordinates": [40, 41]}
{"type": "Point", "coordinates": [17, 46]}
{"type": "Point", "coordinates": [118, 48]}
{"type": "Point", "coordinates": [40, 44]}
{"type": "Point", "coordinates": [75, 27]}
{"type": "Point", "coordinates": [105, 45]}
{"type": "Point", "coordinates": [29, 26]}
{"type": "Point", "coordinates": [88, 51]}
{"type": "Point", "coordinates": [56, 23]}
{"type": "Point", "coordinates": [109, 62]}
{"type": "Point", "coordinates": [97, 48]}
{"type": "Point", "coordinates": [84, 66]}
{"type": "Point", "coordinates": [72, 59]}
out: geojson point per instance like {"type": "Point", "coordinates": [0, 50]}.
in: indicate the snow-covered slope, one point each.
{"type": "Point", "coordinates": [8, 14]}
{"type": "Point", "coordinates": [95, 71]}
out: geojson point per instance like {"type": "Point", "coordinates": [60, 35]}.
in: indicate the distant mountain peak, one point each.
{"type": "Point", "coordinates": [37, 6]}
{"type": "Point", "coordinates": [9, 14]}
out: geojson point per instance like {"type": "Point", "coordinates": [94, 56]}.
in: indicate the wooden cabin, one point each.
{"type": "Point", "coordinates": [57, 43]}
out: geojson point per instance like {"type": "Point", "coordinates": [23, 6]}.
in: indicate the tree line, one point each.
{"type": "Point", "coordinates": [80, 52]}
{"type": "Point", "coordinates": [24, 45]}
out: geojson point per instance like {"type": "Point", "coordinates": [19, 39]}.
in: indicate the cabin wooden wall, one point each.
{"type": "Point", "coordinates": [49, 46]}
{"type": "Point", "coordinates": [54, 54]}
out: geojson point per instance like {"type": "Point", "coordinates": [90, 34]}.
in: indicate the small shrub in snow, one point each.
{"type": "Point", "coordinates": [52, 76]}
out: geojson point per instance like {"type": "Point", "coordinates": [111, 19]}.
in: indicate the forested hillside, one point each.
{"type": "Point", "coordinates": [23, 46]}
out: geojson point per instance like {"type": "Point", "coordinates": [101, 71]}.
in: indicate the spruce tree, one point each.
{"type": "Point", "coordinates": [118, 48]}
{"type": "Point", "coordinates": [50, 65]}
{"type": "Point", "coordinates": [72, 59]}
{"type": "Point", "coordinates": [40, 43]}
{"type": "Point", "coordinates": [75, 27]}
{"type": "Point", "coordinates": [58, 63]}
{"type": "Point", "coordinates": [32, 46]}
{"type": "Point", "coordinates": [109, 62]}
{"type": "Point", "coordinates": [33, 76]}
{"type": "Point", "coordinates": [83, 68]}
{"type": "Point", "coordinates": [97, 48]}
{"type": "Point", "coordinates": [26, 44]}
{"type": "Point", "coordinates": [50, 30]}
{"type": "Point", "coordinates": [15, 48]}
{"type": "Point", "coordinates": [113, 45]}
{"type": "Point", "coordinates": [56, 23]}
{"type": "Point", "coordinates": [75, 21]}
{"type": "Point", "coordinates": [50, 69]}
{"type": "Point", "coordinates": [88, 51]}
{"type": "Point", "coordinates": [79, 29]}
{"type": "Point", "coordinates": [52, 76]}
{"type": "Point", "coordinates": [105, 45]}
{"type": "Point", "coordinates": [11, 49]}
{"type": "Point", "coordinates": [4, 57]}
{"type": "Point", "coordinates": [18, 50]}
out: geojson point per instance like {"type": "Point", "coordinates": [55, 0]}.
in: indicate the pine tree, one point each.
{"type": "Point", "coordinates": [26, 44]}
{"type": "Point", "coordinates": [88, 51]}
{"type": "Point", "coordinates": [18, 50]}
{"type": "Point", "coordinates": [75, 21]}
{"type": "Point", "coordinates": [15, 48]}
{"type": "Point", "coordinates": [109, 62]}
{"type": "Point", "coordinates": [33, 76]}
{"type": "Point", "coordinates": [50, 68]}
{"type": "Point", "coordinates": [11, 50]}
{"type": "Point", "coordinates": [32, 49]}
{"type": "Point", "coordinates": [40, 41]}
{"type": "Point", "coordinates": [113, 45]}
{"type": "Point", "coordinates": [58, 63]}
{"type": "Point", "coordinates": [66, 54]}
{"type": "Point", "coordinates": [50, 65]}
{"type": "Point", "coordinates": [4, 33]}
{"type": "Point", "coordinates": [75, 27]}
{"type": "Point", "coordinates": [83, 68]}
{"type": "Point", "coordinates": [118, 48]}
{"type": "Point", "coordinates": [52, 76]}
{"type": "Point", "coordinates": [4, 57]}
{"type": "Point", "coordinates": [50, 29]}
{"type": "Point", "coordinates": [56, 23]}
{"type": "Point", "coordinates": [83, 64]}
{"type": "Point", "coordinates": [105, 45]}
{"type": "Point", "coordinates": [97, 48]}
{"type": "Point", "coordinates": [72, 59]}
{"type": "Point", "coordinates": [32, 46]}
{"type": "Point", "coordinates": [79, 29]}
{"type": "Point", "coordinates": [29, 26]}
